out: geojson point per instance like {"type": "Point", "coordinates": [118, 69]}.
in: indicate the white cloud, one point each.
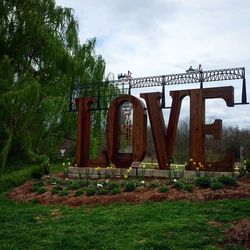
{"type": "Point", "coordinates": [167, 36]}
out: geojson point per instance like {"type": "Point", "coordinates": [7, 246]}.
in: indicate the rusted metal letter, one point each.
{"type": "Point", "coordinates": [124, 160]}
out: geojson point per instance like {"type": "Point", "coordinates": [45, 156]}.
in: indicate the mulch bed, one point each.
{"type": "Point", "coordinates": [24, 194]}
{"type": "Point", "coordinates": [240, 233]}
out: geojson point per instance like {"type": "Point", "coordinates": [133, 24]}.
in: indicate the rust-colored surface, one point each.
{"type": "Point", "coordinates": [163, 137]}
{"type": "Point", "coordinates": [124, 160]}
{"type": "Point", "coordinates": [198, 128]}
{"type": "Point", "coordinates": [83, 131]}
{"type": "Point", "coordinates": [158, 127]}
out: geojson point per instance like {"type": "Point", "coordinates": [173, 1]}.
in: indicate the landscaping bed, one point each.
{"type": "Point", "coordinates": [59, 190]}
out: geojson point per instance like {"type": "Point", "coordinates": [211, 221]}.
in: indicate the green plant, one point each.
{"type": "Point", "coordinates": [178, 185]}
{"type": "Point", "coordinates": [55, 191]}
{"type": "Point", "coordinates": [163, 189]}
{"type": "Point", "coordinates": [41, 190]}
{"type": "Point", "coordinates": [36, 186]}
{"type": "Point", "coordinates": [242, 170]}
{"type": "Point", "coordinates": [64, 192]}
{"type": "Point", "coordinates": [203, 182]}
{"type": "Point", "coordinates": [102, 191]}
{"type": "Point", "coordinates": [215, 185]}
{"type": "Point", "coordinates": [112, 185]}
{"type": "Point", "coordinates": [34, 201]}
{"type": "Point", "coordinates": [247, 164]}
{"type": "Point", "coordinates": [227, 180]}
{"type": "Point", "coordinates": [188, 187]}
{"type": "Point", "coordinates": [84, 183]}
{"type": "Point", "coordinates": [37, 173]}
{"type": "Point", "coordinates": [129, 186]}
{"type": "Point", "coordinates": [154, 184]}
{"type": "Point", "coordinates": [90, 191]}
{"type": "Point", "coordinates": [115, 190]}
{"type": "Point", "coordinates": [73, 185]}
{"type": "Point", "coordinates": [79, 193]}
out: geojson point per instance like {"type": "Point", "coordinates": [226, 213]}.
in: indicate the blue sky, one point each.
{"type": "Point", "coordinates": [155, 37]}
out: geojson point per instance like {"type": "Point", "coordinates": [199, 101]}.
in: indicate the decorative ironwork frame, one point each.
{"type": "Point", "coordinates": [105, 92]}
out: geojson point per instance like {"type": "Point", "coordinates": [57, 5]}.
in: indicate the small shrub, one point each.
{"type": "Point", "coordinates": [178, 185]}
{"type": "Point", "coordinates": [227, 180]}
{"type": "Point", "coordinates": [41, 190]}
{"type": "Point", "coordinates": [64, 192]}
{"type": "Point", "coordinates": [58, 187]}
{"type": "Point", "coordinates": [37, 173]}
{"type": "Point", "coordinates": [112, 185]}
{"type": "Point", "coordinates": [154, 184]}
{"type": "Point", "coordinates": [84, 183]}
{"type": "Point", "coordinates": [188, 187]}
{"type": "Point", "coordinates": [115, 191]}
{"type": "Point", "coordinates": [163, 189]}
{"type": "Point", "coordinates": [102, 191]}
{"type": "Point", "coordinates": [55, 191]}
{"type": "Point", "coordinates": [129, 186]}
{"type": "Point", "coordinates": [36, 186]}
{"type": "Point", "coordinates": [216, 185]}
{"type": "Point", "coordinates": [90, 191]}
{"type": "Point", "coordinates": [79, 193]}
{"type": "Point", "coordinates": [203, 182]}
{"type": "Point", "coordinates": [34, 201]}
{"type": "Point", "coordinates": [73, 185]}
{"type": "Point", "coordinates": [247, 164]}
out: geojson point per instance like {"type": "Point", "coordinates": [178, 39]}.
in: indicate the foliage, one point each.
{"type": "Point", "coordinates": [227, 180]}
{"type": "Point", "coordinates": [64, 192]}
{"type": "Point", "coordinates": [55, 191]}
{"type": "Point", "coordinates": [247, 164]}
{"type": "Point", "coordinates": [215, 185]}
{"type": "Point", "coordinates": [129, 186]}
{"type": "Point", "coordinates": [116, 190]}
{"type": "Point", "coordinates": [203, 182]}
{"type": "Point", "coordinates": [90, 191]}
{"type": "Point", "coordinates": [102, 191]}
{"type": "Point", "coordinates": [179, 184]}
{"type": "Point", "coordinates": [41, 59]}
{"type": "Point", "coordinates": [41, 190]}
{"type": "Point", "coordinates": [79, 193]}
{"type": "Point", "coordinates": [188, 187]}
{"type": "Point", "coordinates": [163, 189]}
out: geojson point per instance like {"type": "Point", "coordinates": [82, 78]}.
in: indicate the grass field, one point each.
{"type": "Point", "coordinates": [165, 225]}
{"type": "Point", "coordinates": [159, 225]}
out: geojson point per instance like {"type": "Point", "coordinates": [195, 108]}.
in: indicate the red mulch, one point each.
{"type": "Point", "coordinates": [24, 194]}
{"type": "Point", "coordinates": [240, 233]}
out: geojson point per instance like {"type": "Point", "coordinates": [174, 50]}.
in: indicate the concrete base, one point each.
{"type": "Point", "coordinates": [76, 172]}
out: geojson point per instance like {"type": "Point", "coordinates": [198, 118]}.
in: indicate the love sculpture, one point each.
{"type": "Point", "coordinates": [163, 136]}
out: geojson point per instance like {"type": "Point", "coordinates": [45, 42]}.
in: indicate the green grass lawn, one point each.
{"type": "Point", "coordinates": [159, 225]}
{"type": "Point", "coordinates": [165, 225]}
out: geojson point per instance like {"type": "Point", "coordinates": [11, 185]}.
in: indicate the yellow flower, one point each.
{"type": "Point", "coordinates": [197, 168]}
{"type": "Point", "coordinates": [125, 176]}
{"type": "Point", "coordinates": [97, 169]}
{"type": "Point", "coordinates": [68, 163]}
{"type": "Point", "coordinates": [63, 163]}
